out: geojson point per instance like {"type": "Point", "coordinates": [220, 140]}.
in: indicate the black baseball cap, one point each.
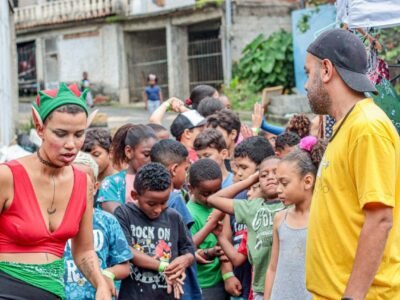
{"type": "Point", "coordinates": [188, 120]}
{"type": "Point", "coordinates": [347, 52]}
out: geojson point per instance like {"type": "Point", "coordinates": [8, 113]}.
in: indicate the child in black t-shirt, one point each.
{"type": "Point", "coordinates": [159, 240]}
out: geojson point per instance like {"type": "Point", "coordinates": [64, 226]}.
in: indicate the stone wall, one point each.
{"type": "Point", "coordinates": [249, 20]}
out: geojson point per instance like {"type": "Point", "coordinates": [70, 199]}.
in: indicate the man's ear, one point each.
{"type": "Point", "coordinates": [187, 134]}
{"type": "Point", "coordinates": [172, 169]}
{"type": "Point", "coordinates": [37, 121]}
{"type": "Point", "coordinates": [129, 152]}
{"type": "Point", "coordinates": [233, 135]}
{"type": "Point", "coordinates": [225, 153]}
{"type": "Point", "coordinates": [134, 195]}
{"type": "Point", "coordinates": [308, 180]}
{"type": "Point", "coordinates": [327, 70]}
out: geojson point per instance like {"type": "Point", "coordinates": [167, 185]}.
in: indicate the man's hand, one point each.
{"type": "Point", "coordinates": [175, 286]}
{"type": "Point", "coordinates": [177, 267]}
{"type": "Point", "coordinates": [257, 116]}
{"type": "Point", "coordinates": [253, 179]}
{"type": "Point", "coordinates": [105, 292]}
{"type": "Point", "coordinates": [110, 284]}
{"type": "Point", "coordinates": [200, 257]}
{"type": "Point", "coordinates": [233, 286]}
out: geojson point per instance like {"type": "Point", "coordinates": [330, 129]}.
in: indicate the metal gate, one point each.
{"type": "Point", "coordinates": [27, 81]}
{"type": "Point", "coordinates": [205, 62]}
{"type": "Point", "coordinates": [153, 60]}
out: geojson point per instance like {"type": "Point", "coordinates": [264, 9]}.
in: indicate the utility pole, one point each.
{"type": "Point", "coordinates": [228, 38]}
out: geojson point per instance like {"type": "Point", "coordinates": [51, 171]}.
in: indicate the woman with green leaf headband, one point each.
{"type": "Point", "coordinates": [45, 201]}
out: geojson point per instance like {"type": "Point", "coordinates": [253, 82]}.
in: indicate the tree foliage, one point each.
{"type": "Point", "coordinates": [267, 62]}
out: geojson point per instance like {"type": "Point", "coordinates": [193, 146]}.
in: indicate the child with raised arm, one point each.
{"type": "Point", "coordinates": [160, 242]}
{"type": "Point", "coordinates": [205, 179]}
{"type": "Point", "coordinates": [285, 278]}
{"type": "Point", "coordinates": [256, 214]}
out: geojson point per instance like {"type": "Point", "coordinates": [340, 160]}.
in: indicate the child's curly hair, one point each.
{"type": "Point", "coordinates": [299, 124]}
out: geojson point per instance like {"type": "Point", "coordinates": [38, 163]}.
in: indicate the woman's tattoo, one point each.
{"type": "Point", "coordinates": [87, 266]}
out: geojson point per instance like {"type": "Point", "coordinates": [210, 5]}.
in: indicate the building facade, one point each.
{"type": "Point", "coordinates": [8, 75]}
{"type": "Point", "coordinates": [119, 42]}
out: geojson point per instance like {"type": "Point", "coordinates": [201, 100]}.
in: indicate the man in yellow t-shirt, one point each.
{"type": "Point", "coordinates": [353, 244]}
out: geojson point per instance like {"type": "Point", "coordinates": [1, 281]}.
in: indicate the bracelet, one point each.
{"type": "Point", "coordinates": [108, 274]}
{"type": "Point", "coordinates": [228, 275]}
{"type": "Point", "coordinates": [163, 266]}
{"type": "Point", "coordinates": [255, 130]}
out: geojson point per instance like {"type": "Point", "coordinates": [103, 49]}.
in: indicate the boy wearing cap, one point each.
{"type": "Point", "coordinates": [353, 230]}
{"type": "Point", "coordinates": [185, 129]}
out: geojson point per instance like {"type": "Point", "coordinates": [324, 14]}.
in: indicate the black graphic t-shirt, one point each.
{"type": "Point", "coordinates": [164, 238]}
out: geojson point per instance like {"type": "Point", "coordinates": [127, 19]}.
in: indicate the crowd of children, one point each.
{"type": "Point", "coordinates": [215, 213]}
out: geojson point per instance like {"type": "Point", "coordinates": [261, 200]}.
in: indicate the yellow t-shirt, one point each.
{"type": "Point", "coordinates": [361, 165]}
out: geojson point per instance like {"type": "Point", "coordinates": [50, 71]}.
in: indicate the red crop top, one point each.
{"type": "Point", "coordinates": [22, 228]}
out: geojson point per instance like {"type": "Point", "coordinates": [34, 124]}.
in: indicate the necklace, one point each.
{"type": "Point", "coordinates": [50, 210]}
{"type": "Point", "coordinates": [341, 124]}
{"type": "Point", "coordinates": [46, 162]}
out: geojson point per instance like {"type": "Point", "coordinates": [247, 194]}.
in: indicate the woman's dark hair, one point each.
{"type": "Point", "coordinates": [204, 170]}
{"type": "Point", "coordinates": [227, 120]}
{"type": "Point", "coordinates": [97, 137]}
{"type": "Point", "coordinates": [210, 138]}
{"type": "Point", "coordinates": [299, 124]}
{"type": "Point", "coordinates": [129, 135]}
{"type": "Point", "coordinates": [209, 106]}
{"type": "Point", "coordinates": [199, 93]}
{"type": "Point", "coordinates": [307, 161]}
{"type": "Point", "coordinates": [72, 109]}
{"type": "Point", "coordinates": [152, 177]}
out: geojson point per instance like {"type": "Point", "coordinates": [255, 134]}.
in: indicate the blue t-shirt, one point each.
{"type": "Point", "coordinates": [113, 188]}
{"type": "Point", "coordinates": [191, 287]}
{"type": "Point", "coordinates": [228, 181]}
{"type": "Point", "coordinates": [153, 92]}
{"type": "Point", "coordinates": [177, 202]}
{"type": "Point", "coordinates": [111, 248]}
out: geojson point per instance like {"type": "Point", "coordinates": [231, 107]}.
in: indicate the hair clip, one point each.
{"type": "Point", "coordinates": [188, 101]}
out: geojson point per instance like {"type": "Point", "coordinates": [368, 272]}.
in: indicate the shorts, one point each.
{"type": "Point", "coordinates": [14, 289]}
{"type": "Point", "coordinates": [152, 105]}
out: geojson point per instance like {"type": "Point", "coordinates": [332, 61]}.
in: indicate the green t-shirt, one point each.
{"type": "Point", "coordinates": [258, 216]}
{"type": "Point", "coordinates": [209, 275]}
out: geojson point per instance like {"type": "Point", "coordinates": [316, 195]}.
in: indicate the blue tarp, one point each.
{"type": "Point", "coordinates": [324, 19]}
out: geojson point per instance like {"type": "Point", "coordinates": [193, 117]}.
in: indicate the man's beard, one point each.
{"type": "Point", "coordinates": [319, 100]}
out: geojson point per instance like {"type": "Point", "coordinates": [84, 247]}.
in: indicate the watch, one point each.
{"type": "Point", "coordinates": [347, 298]}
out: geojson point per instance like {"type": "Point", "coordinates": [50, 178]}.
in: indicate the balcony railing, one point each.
{"type": "Point", "coordinates": [68, 10]}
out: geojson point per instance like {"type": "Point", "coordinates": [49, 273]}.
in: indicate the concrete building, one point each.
{"type": "Point", "coordinates": [8, 74]}
{"type": "Point", "coordinates": [119, 42]}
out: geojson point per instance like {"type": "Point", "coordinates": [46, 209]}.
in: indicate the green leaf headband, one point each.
{"type": "Point", "coordinates": [45, 104]}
